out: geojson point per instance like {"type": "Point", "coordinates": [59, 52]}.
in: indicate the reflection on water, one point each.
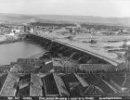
{"type": "Point", "coordinates": [22, 49]}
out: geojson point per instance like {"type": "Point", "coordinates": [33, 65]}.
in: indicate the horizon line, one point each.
{"type": "Point", "coordinates": [66, 15]}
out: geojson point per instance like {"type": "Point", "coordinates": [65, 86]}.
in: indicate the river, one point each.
{"type": "Point", "coordinates": [9, 52]}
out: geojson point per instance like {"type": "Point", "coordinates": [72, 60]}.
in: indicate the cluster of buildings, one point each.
{"type": "Point", "coordinates": [11, 32]}
{"type": "Point", "coordinates": [78, 28]}
{"type": "Point", "coordinates": [74, 29]}
{"type": "Point", "coordinates": [40, 77]}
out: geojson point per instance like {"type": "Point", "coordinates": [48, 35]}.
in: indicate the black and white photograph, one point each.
{"type": "Point", "coordinates": [64, 49]}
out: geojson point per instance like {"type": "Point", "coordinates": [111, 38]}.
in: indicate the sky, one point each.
{"type": "Point", "coordinates": [103, 8]}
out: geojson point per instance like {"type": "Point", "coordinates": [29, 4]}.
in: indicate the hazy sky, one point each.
{"type": "Point", "coordinates": [105, 8]}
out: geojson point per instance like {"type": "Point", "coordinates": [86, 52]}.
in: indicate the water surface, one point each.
{"type": "Point", "coordinates": [22, 49]}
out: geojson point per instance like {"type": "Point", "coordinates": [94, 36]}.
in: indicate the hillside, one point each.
{"type": "Point", "coordinates": [19, 18]}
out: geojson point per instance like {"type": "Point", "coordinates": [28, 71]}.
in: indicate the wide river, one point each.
{"type": "Point", "coordinates": [22, 49]}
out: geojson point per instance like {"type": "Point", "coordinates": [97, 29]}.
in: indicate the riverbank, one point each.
{"type": "Point", "coordinates": [10, 39]}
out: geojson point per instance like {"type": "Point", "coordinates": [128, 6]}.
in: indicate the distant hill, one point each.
{"type": "Point", "coordinates": [20, 18]}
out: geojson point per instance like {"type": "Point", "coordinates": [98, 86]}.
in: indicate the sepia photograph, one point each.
{"type": "Point", "coordinates": [64, 49]}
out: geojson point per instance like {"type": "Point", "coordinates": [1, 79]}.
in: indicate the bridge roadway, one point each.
{"type": "Point", "coordinates": [101, 54]}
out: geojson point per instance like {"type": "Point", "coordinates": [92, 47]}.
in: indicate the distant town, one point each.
{"type": "Point", "coordinates": [12, 30]}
